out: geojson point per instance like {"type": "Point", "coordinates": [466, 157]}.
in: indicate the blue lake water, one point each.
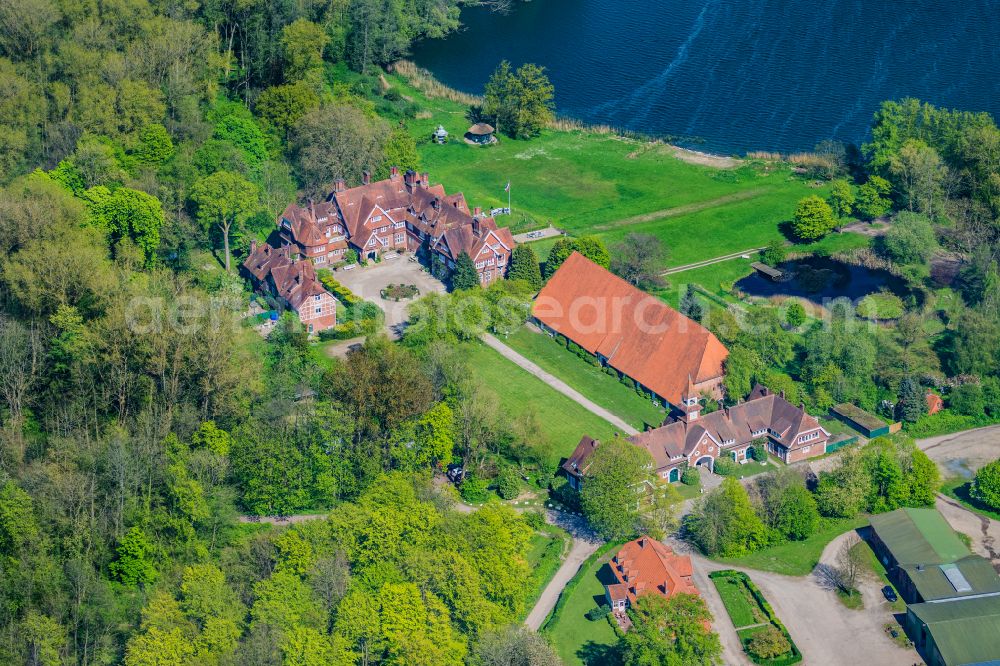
{"type": "Point", "coordinates": [736, 75]}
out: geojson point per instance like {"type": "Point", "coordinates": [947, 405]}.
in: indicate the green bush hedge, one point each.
{"type": "Point", "coordinates": [691, 476]}
{"type": "Point", "coordinates": [794, 656]}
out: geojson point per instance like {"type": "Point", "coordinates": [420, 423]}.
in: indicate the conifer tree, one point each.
{"type": "Point", "coordinates": [524, 266]}
{"type": "Point", "coordinates": [465, 275]}
{"type": "Point", "coordinates": [690, 306]}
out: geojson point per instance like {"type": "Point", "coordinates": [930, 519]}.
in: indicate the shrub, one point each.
{"type": "Point", "coordinates": [768, 644]}
{"type": "Point", "coordinates": [690, 476]}
{"type": "Point", "coordinates": [535, 519]}
{"type": "Point", "coordinates": [474, 490]}
{"type": "Point", "coordinates": [726, 467]}
{"type": "Point", "coordinates": [598, 613]}
{"type": "Point", "coordinates": [986, 485]}
{"type": "Point", "coordinates": [506, 483]}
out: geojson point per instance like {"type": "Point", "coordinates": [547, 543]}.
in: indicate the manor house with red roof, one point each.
{"type": "Point", "coordinates": [401, 213]}
{"type": "Point", "coordinates": [278, 270]}
{"type": "Point", "coordinates": [690, 438]}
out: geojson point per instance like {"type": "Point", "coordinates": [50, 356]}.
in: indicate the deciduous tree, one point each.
{"type": "Point", "coordinates": [612, 490]}
{"type": "Point", "coordinates": [224, 199]}
{"type": "Point", "coordinates": [640, 260]}
{"type": "Point", "coordinates": [671, 632]}
{"type": "Point", "coordinates": [813, 218]}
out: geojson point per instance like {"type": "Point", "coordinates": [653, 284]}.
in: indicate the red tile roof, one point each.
{"type": "Point", "coordinates": [647, 566]}
{"type": "Point", "coordinates": [638, 334]}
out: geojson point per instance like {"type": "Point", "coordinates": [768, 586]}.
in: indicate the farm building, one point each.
{"type": "Point", "coordinates": [956, 632]}
{"type": "Point", "coordinates": [926, 560]}
{"type": "Point", "coordinates": [662, 351]}
{"type": "Point", "coordinates": [867, 424]}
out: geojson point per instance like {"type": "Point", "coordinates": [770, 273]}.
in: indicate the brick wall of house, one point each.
{"type": "Point", "coordinates": [811, 450]}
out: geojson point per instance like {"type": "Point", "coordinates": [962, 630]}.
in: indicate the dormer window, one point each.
{"type": "Point", "coordinates": [758, 433]}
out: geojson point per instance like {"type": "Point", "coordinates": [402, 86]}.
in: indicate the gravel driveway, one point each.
{"type": "Point", "coordinates": [826, 632]}
{"type": "Point", "coordinates": [962, 453]}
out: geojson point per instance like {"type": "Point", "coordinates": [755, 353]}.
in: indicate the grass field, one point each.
{"type": "Point", "coordinates": [798, 558]}
{"type": "Point", "coordinates": [586, 378]}
{"type": "Point", "coordinates": [545, 553]}
{"type": "Point", "coordinates": [577, 639]}
{"type": "Point", "coordinates": [742, 608]}
{"type": "Point", "coordinates": [958, 489]}
{"type": "Point", "coordinates": [562, 422]}
{"type": "Point", "coordinates": [586, 182]}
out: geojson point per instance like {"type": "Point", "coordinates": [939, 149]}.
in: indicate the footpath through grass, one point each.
{"type": "Point", "coordinates": [545, 554]}
{"type": "Point", "coordinates": [798, 558]}
{"type": "Point", "coordinates": [586, 182]}
{"type": "Point", "coordinates": [561, 422]}
{"type": "Point", "coordinates": [577, 639]}
{"type": "Point", "coordinates": [588, 379]}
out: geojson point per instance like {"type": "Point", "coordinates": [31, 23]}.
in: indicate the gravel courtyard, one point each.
{"type": "Point", "coordinates": [367, 282]}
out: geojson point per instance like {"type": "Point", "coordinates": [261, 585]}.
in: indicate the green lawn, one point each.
{"type": "Point", "coordinates": [577, 639]}
{"type": "Point", "coordinates": [798, 558]}
{"type": "Point", "coordinates": [958, 489]}
{"type": "Point", "coordinates": [545, 554]}
{"type": "Point", "coordinates": [742, 608]}
{"type": "Point", "coordinates": [561, 421]}
{"type": "Point", "coordinates": [586, 378]}
{"type": "Point", "coordinates": [585, 182]}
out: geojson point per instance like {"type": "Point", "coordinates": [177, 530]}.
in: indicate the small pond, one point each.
{"type": "Point", "coordinates": [817, 279]}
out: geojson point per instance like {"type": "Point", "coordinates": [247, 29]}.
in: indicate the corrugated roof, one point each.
{"type": "Point", "coordinates": [919, 536]}
{"type": "Point", "coordinates": [968, 576]}
{"type": "Point", "coordinates": [966, 631]}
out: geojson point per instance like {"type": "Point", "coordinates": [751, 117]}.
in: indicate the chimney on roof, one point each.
{"type": "Point", "coordinates": [339, 185]}
{"type": "Point", "coordinates": [394, 172]}
{"type": "Point", "coordinates": [436, 203]}
{"type": "Point", "coordinates": [477, 211]}
{"type": "Point", "coordinates": [366, 177]}
{"type": "Point", "coordinates": [312, 207]}
{"type": "Point", "coordinates": [253, 246]}
{"type": "Point", "coordinates": [476, 226]}
{"type": "Point", "coordinates": [410, 179]}
{"type": "Point", "coordinates": [642, 542]}
{"type": "Point", "coordinates": [763, 390]}
{"type": "Point", "coordinates": [802, 406]}
{"type": "Point", "coordinates": [425, 179]}
{"type": "Point", "coordinates": [782, 394]}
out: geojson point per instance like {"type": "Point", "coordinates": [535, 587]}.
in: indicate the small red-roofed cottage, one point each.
{"type": "Point", "coordinates": [646, 566]}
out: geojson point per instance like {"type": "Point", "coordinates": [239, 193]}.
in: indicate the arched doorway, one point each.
{"type": "Point", "coordinates": [675, 475]}
{"type": "Point", "coordinates": [706, 461]}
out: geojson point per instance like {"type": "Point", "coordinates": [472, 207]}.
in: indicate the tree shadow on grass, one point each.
{"type": "Point", "coordinates": [598, 654]}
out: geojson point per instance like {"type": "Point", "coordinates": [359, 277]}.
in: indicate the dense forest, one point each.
{"type": "Point", "coordinates": [140, 418]}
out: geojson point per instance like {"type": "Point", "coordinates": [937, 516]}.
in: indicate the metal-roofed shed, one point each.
{"type": "Point", "coordinates": [957, 632]}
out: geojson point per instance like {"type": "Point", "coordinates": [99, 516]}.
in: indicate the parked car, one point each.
{"type": "Point", "coordinates": [455, 473]}
{"type": "Point", "coordinates": [889, 594]}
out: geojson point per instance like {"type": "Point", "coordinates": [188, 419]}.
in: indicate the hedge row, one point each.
{"type": "Point", "coordinates": [574, 582]}
{"type": "Point", "coordinates": [794, 656]}
{"type": "Point", "coordinates": [343, 294]}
